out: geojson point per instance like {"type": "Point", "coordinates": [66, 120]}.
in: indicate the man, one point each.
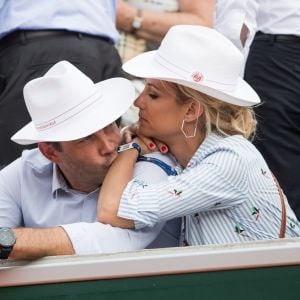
{"type": "Point", "coordinates": [34, 35]}
{"type": "Point", "coordinates": [272, 68]}
{"type": "Point", "coordinates": [73, 122]}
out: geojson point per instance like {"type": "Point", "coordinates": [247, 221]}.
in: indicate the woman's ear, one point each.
{"type": "Point", "coordinates": [194, 111]}
{"type": "Point", "coordinates": [49, 151]}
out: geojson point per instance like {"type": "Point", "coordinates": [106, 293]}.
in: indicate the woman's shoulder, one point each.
{"type": "Point", "coordinates": [228, 152]}
{"type": "Point", "coordinates": [216, 143]}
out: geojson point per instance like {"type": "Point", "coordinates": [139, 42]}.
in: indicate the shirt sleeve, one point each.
{"type": "Point", "coordinates": [218, 182]}
{"type": "Point", "coordinates": [10, 196]}
{"type": "Point", "coordinates": [91, 238]}
{"type": "Point", "coordinates": [251, 19]}
{"type": "Point", "coordinates": [88, 238]}
{"type": "Point", "coordinates": [229, 19]}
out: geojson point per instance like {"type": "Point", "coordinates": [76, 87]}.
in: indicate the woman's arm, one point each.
{"type": "Point", "coordinates": [155, 24]}
{"type": "Point", "coordinates": [119, 174]}
{"type": "Point", "coordinates": [199, 188]}
{"type": "Point", "coordinates": [123, 169]}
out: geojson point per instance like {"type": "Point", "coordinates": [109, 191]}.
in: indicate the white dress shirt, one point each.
{"type": "Point", "coordinates": [279, 16]}
{"type": "Point", "coordinates": [230, 15]}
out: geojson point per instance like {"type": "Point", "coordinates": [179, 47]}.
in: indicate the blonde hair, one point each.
{"type": "Point", "coordinates": [220, 117]}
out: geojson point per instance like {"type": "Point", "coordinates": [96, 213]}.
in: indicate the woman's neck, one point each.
{"type": "Point", "coordinates": [184, 148]}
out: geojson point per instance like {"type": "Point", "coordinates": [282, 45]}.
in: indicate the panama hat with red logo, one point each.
{"type": "Point", "coordinates": [200, 58]}
{"type": "Point", "coordinates": [66, 105]}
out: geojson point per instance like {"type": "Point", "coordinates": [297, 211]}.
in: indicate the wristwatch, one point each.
{"type": "Point", "coordinates": [137, 22]}
{"type": "Point", "coordinates": [130, 146]}
{"type": "Point", "coordinates": [7, 241]}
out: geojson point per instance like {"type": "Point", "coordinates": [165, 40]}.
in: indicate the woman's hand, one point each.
{"type": "Point", "coordinates": [150, 145]}
{"type": "Point", "coordinates": [147, 144]}
{"type": "Point", "coordinates": [128, 133]}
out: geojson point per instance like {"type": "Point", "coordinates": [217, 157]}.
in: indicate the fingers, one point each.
{"type": "Point", "coordinates": [162, 147]}
{"type": "Point", "coordinates": [127, 137]}
{"type": "Point", "coordinates": [149, 143]}
{"type": "Point", "coordinates": [154, 144]}
{"type": "Point", "coordinates": [128, 133]}
{"type": "Point", "coordinates": [131, 132]}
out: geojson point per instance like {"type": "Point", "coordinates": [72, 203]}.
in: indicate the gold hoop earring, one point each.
{"type": "Point", "coordinates": [185, 134]}
{"type": "Point", "coordinates": [195, 129]}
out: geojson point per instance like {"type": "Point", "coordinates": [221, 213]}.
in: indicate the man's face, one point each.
{"type": "Point", "coordinates": [84, 162]}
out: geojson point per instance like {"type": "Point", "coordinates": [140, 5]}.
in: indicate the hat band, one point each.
{"type": "Point", "coordinates": [70, 113]}
{"type": "Point", "coordinates": [195, 76]}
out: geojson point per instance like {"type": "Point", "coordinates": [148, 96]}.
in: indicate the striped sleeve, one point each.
{"type": "Point", "coordinates": [217, 182]}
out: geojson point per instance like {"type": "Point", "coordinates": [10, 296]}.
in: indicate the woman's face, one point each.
{"type": "Point", "coordinates": [160, 115]}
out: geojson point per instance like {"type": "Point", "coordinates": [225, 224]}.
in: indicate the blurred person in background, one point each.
{"type": "Point", "coordinates": [272, 68]}
{"type": "Point", "coordinates": [34, 35]}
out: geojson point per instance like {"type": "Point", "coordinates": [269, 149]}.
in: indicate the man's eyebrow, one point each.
{"type": "Point", "coordinates": [85, 137]}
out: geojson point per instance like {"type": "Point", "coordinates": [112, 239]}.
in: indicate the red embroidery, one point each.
{"type": "Point", "coordinates": [197, 76]}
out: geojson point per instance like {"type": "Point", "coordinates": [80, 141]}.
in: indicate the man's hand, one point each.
{"type": "Point", "coordinates": [244, 34]}
{"type": "Point", "coordinates": [33, 243]}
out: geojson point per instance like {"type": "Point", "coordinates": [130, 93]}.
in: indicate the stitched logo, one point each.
{"type": "Point", "coordinates": [197, 76]}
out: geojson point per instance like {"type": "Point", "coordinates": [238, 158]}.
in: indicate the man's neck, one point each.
{"type": "Point", "coordinates": [79, 185]}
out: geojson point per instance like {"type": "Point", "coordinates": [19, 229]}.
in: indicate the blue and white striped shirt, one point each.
{"type": "Point", "coordinates": [226, 191]}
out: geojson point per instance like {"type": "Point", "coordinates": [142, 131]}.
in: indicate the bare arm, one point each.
{"type": "Point", "coordinates": [156, 24]}
{"type": "Point", "coordinates": [119, 174]}
{"type": "Point", "coordinates": [33, 243]}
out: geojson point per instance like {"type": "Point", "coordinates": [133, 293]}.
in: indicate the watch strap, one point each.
{"type": "Point", "coordinates": [5, 252]}
{"type": "Point", "coordinates": [137, 21]}
{"type": "Point", "coordinates": [130, 146]}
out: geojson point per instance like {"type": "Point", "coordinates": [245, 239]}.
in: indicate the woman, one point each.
{"type": "Point", "coordinates": [195, 103]}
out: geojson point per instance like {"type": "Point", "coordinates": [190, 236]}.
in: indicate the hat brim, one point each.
{"type": "Point", "coordinates": [113, 98]}
{"type": "Point", "coordinates": [145, 66]}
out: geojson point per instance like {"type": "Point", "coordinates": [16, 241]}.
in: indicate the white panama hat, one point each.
{"type": "Point", "coordinates": [200, 58]}
{"type": "Point", "coordinates": [66, 105]}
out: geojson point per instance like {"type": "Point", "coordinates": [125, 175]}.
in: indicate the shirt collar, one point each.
{"type": "Point", "coordinates": [60, 183]}
{"type": "Point", "coordinates": [211, 140]}
{"type": "Point", "coordinates": [58, 180]}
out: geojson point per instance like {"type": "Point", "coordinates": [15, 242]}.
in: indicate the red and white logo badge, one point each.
{"type": "Point", "coordinates": [197, 76]}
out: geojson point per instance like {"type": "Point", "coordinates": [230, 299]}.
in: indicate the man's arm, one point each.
{"type": "Point", "coordinates": [33, 243]}
{"type": "Point", "coordinates": [91, 238]}
{"type": "Point", "coordinates": [88, 238]}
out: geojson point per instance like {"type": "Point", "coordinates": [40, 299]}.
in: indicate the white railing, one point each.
{"type": "Point", "coordinates": [151, 262]}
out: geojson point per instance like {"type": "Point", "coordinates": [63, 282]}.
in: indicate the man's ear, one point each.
{"type": "Point", "coordinates": [194, 111]}
{"type": "Point", "coordinates": [49, 151]}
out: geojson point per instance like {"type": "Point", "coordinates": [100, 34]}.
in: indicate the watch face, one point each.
{"type": "Point", "coordinates": [137, 23]}
{"type": "Point", "coordinates": [7, 237]}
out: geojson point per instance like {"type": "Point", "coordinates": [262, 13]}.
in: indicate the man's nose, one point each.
{"type": "Point", "coordinates": [106, 143]}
